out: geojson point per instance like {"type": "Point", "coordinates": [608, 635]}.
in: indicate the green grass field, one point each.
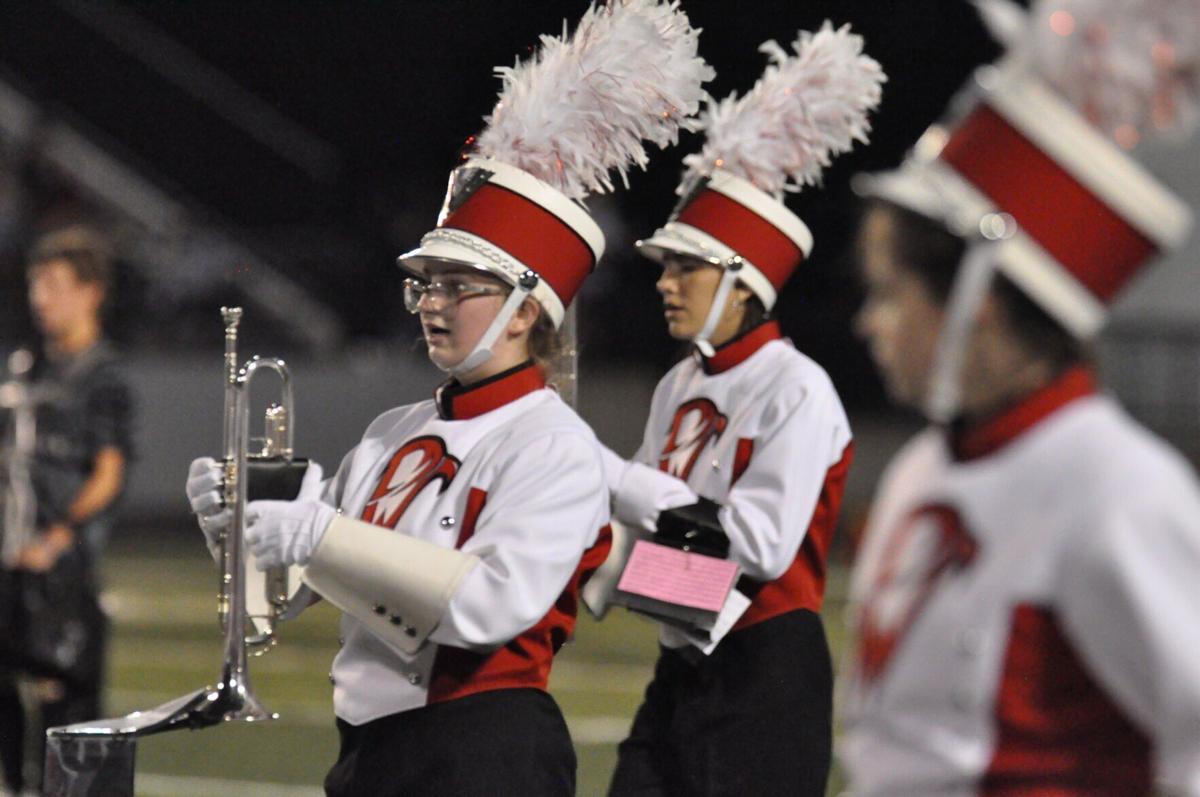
{"type": "Point", "coordinates": [166, 643]}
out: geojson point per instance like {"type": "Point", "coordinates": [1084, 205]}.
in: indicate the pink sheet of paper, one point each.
{"type": "Point", "coordinates": [675, 576]}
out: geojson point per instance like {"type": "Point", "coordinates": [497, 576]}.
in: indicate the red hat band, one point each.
{"type": "Point", "coordinates": [530, 233]}
{"type": "Point", "coordinates": [724, 218]}
{"type": "Point", "coordinates": [502, 219]}
{"type": "Point", "coordinates": [1094, 243]}
{"type": "Point", "coordinates": [1088, 217]}
{"type": "Point", "coordinates": [745, 232]}
{"type": "Point", "coordinates": [1083, 217]}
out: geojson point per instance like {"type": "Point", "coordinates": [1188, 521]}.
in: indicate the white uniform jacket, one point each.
{"type": "Point", "coordinates": [759, 429]}
{"type": "Point", "coordinates": [504, 470]}
{"type": "Point", "coordinates": [1027, 604]}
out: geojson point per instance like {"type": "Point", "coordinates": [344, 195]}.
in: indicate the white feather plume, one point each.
{"type": "Point", "coordinates": [804, 110]}
{"type": "Point", "coordinates": [1129, 66]}
{"type": "Point", "coordinates": [582, 106]}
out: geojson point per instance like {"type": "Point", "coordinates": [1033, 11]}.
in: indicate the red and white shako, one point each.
{"type": "Point", "coordinates": [807, 107]}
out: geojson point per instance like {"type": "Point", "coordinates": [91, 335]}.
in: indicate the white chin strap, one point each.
{"type": "Point", "coordinates": [483, 349]}
{"type": "Point", "coordinates": [717, 308]}
{"type": "Point", "coordinates": [944, 396]}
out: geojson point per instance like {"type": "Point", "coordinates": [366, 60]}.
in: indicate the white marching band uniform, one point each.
{"type": "Point", "coordinates": [1004, 644]}
{"type": "Point", "coordinates": [758, 432]}
{"type": "Point", "coordinates": [468, 473]}
{"type": "Point", "coordinates": [759, 429]}
{"type": "Point", "coordinates": [466, 525]}
{"type": "Point", "coordinates": [747, 440]}
{"type": "Point", "coordinates": [1025, 598]}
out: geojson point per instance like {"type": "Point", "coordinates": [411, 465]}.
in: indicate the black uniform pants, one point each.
{"type": "Point", "coordinates": [55, 631]}
{"type": "Point", "coordinates": [754, 718]}
{"type": "Point", "coordinates": [503, 742]}
{"type": "Point", "coordinates": [12, 732]}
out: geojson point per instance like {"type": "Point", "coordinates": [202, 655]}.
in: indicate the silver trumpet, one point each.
{"type": "Point", "coordinates": [270, 472]}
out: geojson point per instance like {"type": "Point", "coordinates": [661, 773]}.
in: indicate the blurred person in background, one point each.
{"type": "Point", "coordinates": [1024, 597]}
{"type": "Point", "coordinates": [747, 446]}
{"type": "Point", "coordinates": [57, 632]}
{"type": "Point", "coordinates": [456, 535]}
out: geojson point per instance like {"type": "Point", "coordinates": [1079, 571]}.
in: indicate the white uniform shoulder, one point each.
{"type": "Point", "coordinates": [778, 359]}
{"type": "Point", "coordinates": [390, 419]}
{"type": "Point", "coordinates": [784, 359]}
{"type": "Point", "coordinates": [783, 378]}
{"type": "Point", "coordinates": [680, 373]}
{"type": "Point", "coordinates": [541, 437]}
{"type": "Point", "coordinates": [778, 378]}
{"type": "Point", "coordinates": [545, 413]}
{"type": "Point", "coordinates": [1105, 460]}
{"type": "Point", "coordinates": [1121, 453]}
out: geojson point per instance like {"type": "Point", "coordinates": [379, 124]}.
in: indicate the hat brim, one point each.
{"type": "Point", "coordinates": [664, 243]}
{"type": "Point", "coordinates": [680, 239]}
{"type": "Point", "coordinates": [442, 252]}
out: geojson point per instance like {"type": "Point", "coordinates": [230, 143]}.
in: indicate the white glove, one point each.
{"type": "Point", "coordinates": [639, 492]}
{"type": "Point", "coordinates": [206, 477]}
{"type": "Point", "coordinates": [286, 532]}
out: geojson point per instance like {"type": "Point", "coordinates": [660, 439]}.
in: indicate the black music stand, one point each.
{"type": "Point", "coordinates": [96, 758]}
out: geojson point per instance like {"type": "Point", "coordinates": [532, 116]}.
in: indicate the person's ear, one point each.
{"type": "Point", "coordinates": [525, 317]}
{"type": "Point", "coordinates": [739, 296]}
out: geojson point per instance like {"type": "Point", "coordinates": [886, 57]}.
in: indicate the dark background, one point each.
{"type": "Point", "coordinates": [393, 90]}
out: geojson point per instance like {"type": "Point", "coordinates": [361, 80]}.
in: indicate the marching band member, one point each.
{"type": "Point", "coordinates": [83, 415]}
{"type": "Point", "coordinates": [1025, 595]}
{"type": "Point", "coordinates": [747, 439]}
{"type": "Point", "coordinates": [456, 534]}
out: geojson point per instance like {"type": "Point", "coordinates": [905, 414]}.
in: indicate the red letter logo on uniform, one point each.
{"type": "Point", "coordinates": [417, 464]}
{"type": "Point", "coordinates": [931, 541]}
{"type": "Point", "coordinates": [695, 423]}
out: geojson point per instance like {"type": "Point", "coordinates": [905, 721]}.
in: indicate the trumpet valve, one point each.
{"type": "Point", "coordinates": [275, 438]}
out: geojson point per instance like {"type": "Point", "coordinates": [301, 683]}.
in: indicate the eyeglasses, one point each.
{"type": "Point", "coordinates": [445, 293]}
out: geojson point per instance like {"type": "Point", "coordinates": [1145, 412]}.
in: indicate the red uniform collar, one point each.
{"type": "Point", "coordinates": [456, 402]}
{"type": "Point", "coordinates": [740, 348]}
{"type": "Point", "coordinates": [992, 435]}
